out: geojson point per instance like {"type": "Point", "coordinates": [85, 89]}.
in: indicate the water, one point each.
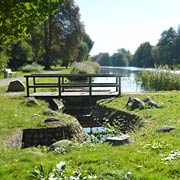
{"type": "Point", "coordinates": [128, 83]}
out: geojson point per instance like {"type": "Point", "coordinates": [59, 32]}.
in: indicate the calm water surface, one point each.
{"type": "Point", "coordinates": [128, 83]}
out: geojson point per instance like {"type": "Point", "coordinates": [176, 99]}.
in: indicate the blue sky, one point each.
{"type": "Point", "coordinates": [115, 24]}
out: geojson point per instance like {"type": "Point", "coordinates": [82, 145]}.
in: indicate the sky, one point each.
{"type": "Point", "coordinates": [115, 24]}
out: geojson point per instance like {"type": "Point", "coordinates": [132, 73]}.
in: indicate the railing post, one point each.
{"type": "Point", "coordinates": [62, 83]}
{"type": "Point", "coordinates": [34, 83]}
{"type": "Point", "coordinates": [90, 86]}
{"type": "Point", "coordinates": [27, 85]}
{"type": "Point", "coordinates": [119, 78]}
{"type": "Point", "coordinates": [117, 83]}
{"type": "Point", "coordinates": [59, 85]}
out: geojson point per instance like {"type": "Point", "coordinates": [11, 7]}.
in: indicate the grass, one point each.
{"type": "Point", "coordinates": [142, 160]}
{"type": "Point", "coordinates": [17, 114]}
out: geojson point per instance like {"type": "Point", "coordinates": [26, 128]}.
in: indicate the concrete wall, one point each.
{"type": "Point", "coordinates": [47, 136]}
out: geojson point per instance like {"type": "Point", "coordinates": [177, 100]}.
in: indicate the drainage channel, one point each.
{"type": "Point", "coordinates": [101, 121]}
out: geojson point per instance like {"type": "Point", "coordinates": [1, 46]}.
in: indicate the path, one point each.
{"type": "Point", "coordinates": [6, 81]}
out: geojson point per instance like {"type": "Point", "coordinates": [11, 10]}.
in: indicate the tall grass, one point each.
{"type": "Point", "coordinates": [159, 80]}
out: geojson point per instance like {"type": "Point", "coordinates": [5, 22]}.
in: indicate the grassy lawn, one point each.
{"type": "Point", "coordinates": [141, 160]}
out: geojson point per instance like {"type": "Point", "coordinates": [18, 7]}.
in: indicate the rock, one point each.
{"type": "Point", "coordinates": [146, 99]}
{"type": "Point", "coordinates": [49, 112]}
{"type": "Point", "coordinates": [150, 102]}
{"type": "Point", "coordinates": [135, 103]}
{"type": "Point", "coordinates": [16, 86]}
{"type": "Point", "coordinates": [55, 104]}
{"type": "Point", "coordinates": [54, 120]}
{"type": "Point", "coordinates": [61, 144]}
{"type": "Point", "coordinates": [120, 140]}
{"type": "Point", "coordinates": [165, 129]}
{"type": "Point", "coordinates": [153, 104]}
{"type": "Point", "coordinates": [31, 101]}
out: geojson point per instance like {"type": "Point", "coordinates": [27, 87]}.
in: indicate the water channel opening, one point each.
{"type": "Point", "coordinates": [100, 121]}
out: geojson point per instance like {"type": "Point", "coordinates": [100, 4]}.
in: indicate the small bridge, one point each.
{"type": "Point", "coordinates": [73, 85]}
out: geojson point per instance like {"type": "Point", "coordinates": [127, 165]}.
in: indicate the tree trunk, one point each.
{"type": "Point", "coordinates": [47, 42]}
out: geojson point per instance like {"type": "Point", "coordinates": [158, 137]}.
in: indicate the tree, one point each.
{"type": "Point", "coordinates": [17, 16]}
{"type": "Point", "coordinates": [102, 59]}
{"type": "Point", "coordinates": [121, 58]}
{"type": "Point", "coordinates": [88, 41]}
{"type": "Point", "coordinates": [83, 52]}
{"type": "Point", "coordinates": [3, 58]}
{"type": "Point", "coordinates": [143, 56]}
{"type": "Point", "coordinates": [20, 53]}
{"type": "Point", "coordinates": [166, 46]}
{"type": "Point", "coordinates": [63, 33]}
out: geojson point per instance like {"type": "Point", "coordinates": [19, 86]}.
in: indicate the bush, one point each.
{"type": "Point", "coordinates": [32, 68]}
{"type": "Point", "coordinates": [87, 67]}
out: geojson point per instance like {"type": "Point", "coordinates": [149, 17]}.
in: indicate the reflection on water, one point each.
{"type": "Point", "coordinates": [128, 83]}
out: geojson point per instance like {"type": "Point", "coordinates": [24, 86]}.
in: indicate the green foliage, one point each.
{"type": "Point", "coordinates": [83, 52]}
{"type": "Point", "coordinates": [17, 16]}
{"type": "Point", "coordinates": [20, 53]}
{"type": "Point", "coordinates": [46, 32]}
{"type": "Point", "coordinates": [121, 58]}
{"type": "Point", "coordinates": [152, 156]}
{"type": "Point", "coordinates": [143, 56]}
{"type": "Point", "coordinates": [32, 68]}
{"type": "Point", "coordinates": [3, 60]}
{"type": "Point", "coordinates": [59, 172]}
{"type": "Point", "coordinates": [87, 67]}
{"type": "Point", "coordinates": [20, 115]}
{"type": "Point", "coordinates": [159, 80]}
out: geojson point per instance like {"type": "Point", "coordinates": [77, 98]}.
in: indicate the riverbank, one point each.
{"type": "Point", "coordinates": [145, 159]}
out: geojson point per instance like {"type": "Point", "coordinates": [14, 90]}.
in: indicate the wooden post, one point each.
{"type": "Point", "coordinates": [59, 85]}
{"type": "Point", "coordinates": [62, 83]}
{"type": "Point", "coordinates": [27, 85]}
{"type": "Point", "coordinates": [117, 83]}
{"type": "Point", "coordinates": [90, 86]}
{"type": "Point", "coordinates": [34, 83]}
{"type": "Point", "coordinates": [119, 78]}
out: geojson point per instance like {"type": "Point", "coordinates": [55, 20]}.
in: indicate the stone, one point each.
{"type": "Point", "coordinates": [55, 104]}
{"type": "Point", "coordinates": [31, 101]}
{"type": "Point", "coordinates": [15, 86]}
{"type": "Point", "coordinates": [153, 104]}
{"type": "Point", "coordinates": [54, 120]}
{"type": "Point", "coordinates": [165, 129]}
{"type": "Point", "coordinates": [49, 112]}
{"type": "Point", "coordinates": [120, 140]}
{"type": "Point", "coordinates": [150, 102]}
{"type": "Point", "coordinates": [60, 144]}
{"type": "Point", "coordinates": [136, 103]}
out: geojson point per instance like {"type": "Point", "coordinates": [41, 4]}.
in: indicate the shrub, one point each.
{"type": "Point", "coordinates": [87, 67]}
{"type": "Point", "coordinates": [32, 68]}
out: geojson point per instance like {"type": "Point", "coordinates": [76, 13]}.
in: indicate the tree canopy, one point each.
{"type": "Point", "coordinates": [47, 32]}
{"type": "Point", "coordinates": [17, 16]}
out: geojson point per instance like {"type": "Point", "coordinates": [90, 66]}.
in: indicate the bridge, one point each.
{"type": "Point", "coordinates": [73, 85]}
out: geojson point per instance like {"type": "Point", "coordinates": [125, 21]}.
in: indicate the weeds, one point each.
{"type": "Point", "coordinates": [57, 173]}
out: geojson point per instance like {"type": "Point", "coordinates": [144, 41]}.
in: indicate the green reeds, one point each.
{"type": "Point", "coordinates": [159, 80]}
